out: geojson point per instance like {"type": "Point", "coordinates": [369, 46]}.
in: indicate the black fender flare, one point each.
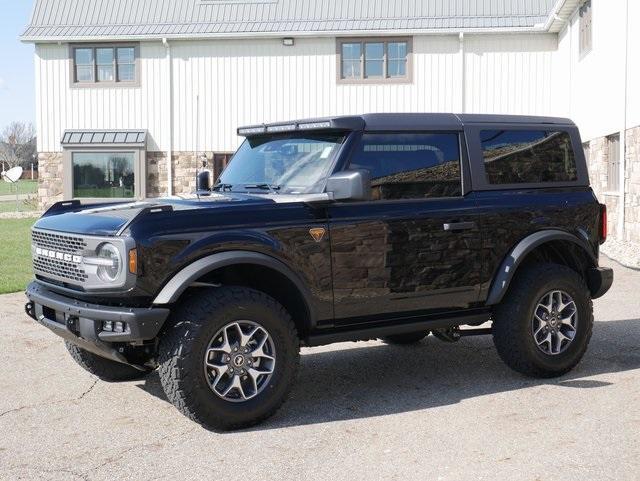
{"type": "Point", "coordinates": [173, 289]}
{"type": "Point", "coordinates": [510, 264]}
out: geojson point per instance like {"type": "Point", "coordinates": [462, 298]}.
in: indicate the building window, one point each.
{"type": "Point", "coordinates": [374, 60]}
{"type": "Point", "coordinates": [103, 175]}
{"type": "Point", "coordinates": [585, 27]}
{"type": "Point", "coordinates": [613, 163]}
{"type": "Point", "coordinates": [104, 65]}
{"type": "Point", "coordinates": [410, 166]}
{"type": "Point", "coordinates": [527, 156]}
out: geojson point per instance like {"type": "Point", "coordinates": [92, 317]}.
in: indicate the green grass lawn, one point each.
{"type": "Point", "coordinates": [24, 187]}
{"type": "Point", "coordinates": [15, 254]}
{"type": "Point", "coordinates": [23, 206]}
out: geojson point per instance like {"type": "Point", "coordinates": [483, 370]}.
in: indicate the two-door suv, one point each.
{"type": "Point", "coordinates": [390, 226]}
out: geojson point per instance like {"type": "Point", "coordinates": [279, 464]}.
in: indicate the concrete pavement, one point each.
{"type": "Point", "coordinates": [359, 411]}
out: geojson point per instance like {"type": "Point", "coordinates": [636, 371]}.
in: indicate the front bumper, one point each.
{"type": "Point", "coordinates": [599, 280]}
{"type": "Point", "coordinates": [82, 323]}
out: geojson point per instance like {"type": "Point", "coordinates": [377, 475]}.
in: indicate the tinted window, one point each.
{"type": "Point", "coordinates": [527, 156]}
{"type": "Point", "coordinates": [410, 166]}
{"type": "Point", "coordinates": [292, 163]}
{"type": "Point", "coordinates": [103, 175]}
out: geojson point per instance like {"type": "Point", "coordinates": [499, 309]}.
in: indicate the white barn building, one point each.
{"type": "Point", "coordinates": [146, 87]}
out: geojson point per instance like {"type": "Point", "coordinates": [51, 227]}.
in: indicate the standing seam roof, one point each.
{"type": "Point", "coordinates": [75, 19]}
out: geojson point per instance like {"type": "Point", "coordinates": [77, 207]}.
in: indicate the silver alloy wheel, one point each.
{"type": "Point", "coordinates": [555, 322]}
{"type": "Point", "coordinates": [239, 361]}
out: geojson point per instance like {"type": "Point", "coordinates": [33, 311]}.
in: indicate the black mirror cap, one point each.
{"type": "Point", "coordinates": [350, 185]}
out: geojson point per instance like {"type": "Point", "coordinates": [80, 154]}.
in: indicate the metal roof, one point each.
{"type": "Point", "coordinates": [104, 137]}
{"type": "Point", "coordinates": [69, 20]}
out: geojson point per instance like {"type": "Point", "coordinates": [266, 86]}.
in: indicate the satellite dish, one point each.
{"type": "Point", "coordinates": [12, 175]}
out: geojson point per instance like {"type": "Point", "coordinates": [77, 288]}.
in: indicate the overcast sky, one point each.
{"type": "Point", "coordinates": [17, 91]}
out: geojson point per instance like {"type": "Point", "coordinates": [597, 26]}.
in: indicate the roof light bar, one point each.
{"type": "Point", "coordinates": [314, 125]}
{"type": "Point", "coordinates": [261, 129]}
{"type": "Point", "coordinates": [281, 128]}
{"type": "Point", "coordinates": [251, 130]}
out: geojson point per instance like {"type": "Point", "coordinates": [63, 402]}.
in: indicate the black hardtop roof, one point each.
{"type": "Point", "coordinates": [403, 121]}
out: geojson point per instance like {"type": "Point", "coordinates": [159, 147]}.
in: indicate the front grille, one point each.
{"type": "Point", "coordinates": [57, 266]}
{"type": "Point", "coordinates": [58, 242]}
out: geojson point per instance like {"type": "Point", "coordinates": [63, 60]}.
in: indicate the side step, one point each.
{"type": "Point", "coordinates": [361, 333]}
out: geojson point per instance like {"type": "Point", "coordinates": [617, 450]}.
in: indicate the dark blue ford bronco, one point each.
{"type": "Point", "coordinates": [391, 226]}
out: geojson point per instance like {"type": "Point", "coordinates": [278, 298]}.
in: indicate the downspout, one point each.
{"type": "Point", "coordinates": [169, 117]}
{"type": "Point", "coordinates": [623, 137]}
{"type": "Point", "coordinates": [463, 73]}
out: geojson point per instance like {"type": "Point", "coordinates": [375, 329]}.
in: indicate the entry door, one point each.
{"type": "Point", "coordinates": [415, 247]}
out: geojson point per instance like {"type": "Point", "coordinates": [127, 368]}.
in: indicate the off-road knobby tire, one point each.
{"type": "Point", "coordinates": [406, 338]}
{"type": "Point", "coordinates": [513, 316]}
{"type": "Point", "coordinates": [105, 369]}
{"type": "Point", "coordinates": [184, 342]}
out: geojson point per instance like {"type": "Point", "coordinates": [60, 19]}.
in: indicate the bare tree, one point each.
{"type": "Point", "coordinates": [17, 144]}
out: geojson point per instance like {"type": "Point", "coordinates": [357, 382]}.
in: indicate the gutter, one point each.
{"type": "Point", "coordinates": [623, 136]}
{"type": "Point", "coordinates": [538, 28]}
{"type": "Point", "coordinates": [169, 153]}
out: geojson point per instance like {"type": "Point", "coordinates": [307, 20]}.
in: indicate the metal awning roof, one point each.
{"type": "Point", "coordinates": [137, 138]}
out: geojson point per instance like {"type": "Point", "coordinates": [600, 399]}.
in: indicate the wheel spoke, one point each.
{"type": "Point", "coordinates": [220, 373]}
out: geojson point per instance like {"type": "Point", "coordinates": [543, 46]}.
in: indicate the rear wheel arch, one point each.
{"type": "Point", "coordinates": [553, 246]}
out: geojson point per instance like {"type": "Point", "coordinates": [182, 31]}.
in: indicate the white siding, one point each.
{"type": "Point", "coordinates": [509, 74]}
{"type": "Point", "coordinates": [591, 87]}
{"type": "Point", "coordinates": [239, 82]}
{"type": "Point", "coordinates": [60, 106]}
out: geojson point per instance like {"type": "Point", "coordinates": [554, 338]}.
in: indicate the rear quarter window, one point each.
{"type": "Point", "coordinates": [527, 156]}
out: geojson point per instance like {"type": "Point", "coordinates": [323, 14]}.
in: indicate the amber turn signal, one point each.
{"type": "Point", "coordinates": [133, 261]}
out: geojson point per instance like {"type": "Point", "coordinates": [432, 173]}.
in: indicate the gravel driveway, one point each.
{"type": "Point", "coordinates": [360, 411]}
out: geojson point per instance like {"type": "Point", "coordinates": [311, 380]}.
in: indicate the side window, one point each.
{"type": "Point", "coordinates": [410, 166]}
{"type": "Point", "coordinates": [527, 156]}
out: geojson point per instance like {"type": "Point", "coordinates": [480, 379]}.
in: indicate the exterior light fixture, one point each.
{"type": "Point", "coordinates": [288, 42]}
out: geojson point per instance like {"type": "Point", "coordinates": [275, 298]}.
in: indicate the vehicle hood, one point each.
{"type": "Point", "coordinates": [111, 219]}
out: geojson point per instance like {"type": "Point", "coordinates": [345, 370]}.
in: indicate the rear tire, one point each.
{"type": "Point", "coordinates": [520, 315]}
{"type": "Point", "coordinates": [105, 369]}
{"type": "Point", "coordinates": [406, 338]}
{"type": "Point", "coordinates": [206, 322]}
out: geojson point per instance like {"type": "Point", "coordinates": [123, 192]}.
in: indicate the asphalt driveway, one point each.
{"type": "Point", "coordinates": [360, 411]}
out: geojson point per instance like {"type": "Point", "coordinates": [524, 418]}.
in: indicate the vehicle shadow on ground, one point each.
{"type": "Point", "coordinates": [361, 381]}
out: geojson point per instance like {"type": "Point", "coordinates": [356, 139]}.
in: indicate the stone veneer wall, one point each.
{"type": "Point", "coordinates": [50, 175]}
{"type": "Point", "coordinates": [597, 160]}
{"type": "Point", "coordinates": [632, 186]}
{"type": "Point", "coordinates": [157, 179]}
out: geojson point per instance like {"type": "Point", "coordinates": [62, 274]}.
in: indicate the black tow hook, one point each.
{"type": "Point", "coordinates": [29, 308]}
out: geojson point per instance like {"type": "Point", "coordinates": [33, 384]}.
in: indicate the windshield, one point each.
{"type": "Point", "coordinates": [292, 163]}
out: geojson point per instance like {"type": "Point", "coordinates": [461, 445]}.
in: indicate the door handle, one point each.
{"type": "Point", "coordinates": [459, 226]}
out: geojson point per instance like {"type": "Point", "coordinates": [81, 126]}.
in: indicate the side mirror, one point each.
{"type": "Point", "coordinates": [350, 185]}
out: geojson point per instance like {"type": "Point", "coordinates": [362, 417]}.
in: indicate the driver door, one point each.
{"type": "Point", "coordinates": [415, 247]}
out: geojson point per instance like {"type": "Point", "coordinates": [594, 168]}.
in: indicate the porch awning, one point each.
{"type": "Point", "coordinates": [133, 138]}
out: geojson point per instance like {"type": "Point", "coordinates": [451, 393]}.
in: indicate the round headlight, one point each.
{"type": "Point", "coordinates": [109, 273]}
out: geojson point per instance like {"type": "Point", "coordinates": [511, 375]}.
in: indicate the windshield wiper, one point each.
{"type": "Point", "coordinates": [271, 188]}
{"type": "Point", "coordinates": [222, 186]}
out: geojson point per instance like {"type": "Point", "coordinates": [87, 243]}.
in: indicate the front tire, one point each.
{"type": "Point", "coordinates": [105, 369]}
{"type": "Point", "coordinates": [543, 325]}
{"type": "Point", "coordinates": [229, 357]}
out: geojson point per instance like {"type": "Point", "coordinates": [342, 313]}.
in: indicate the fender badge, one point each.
{"type": "Point", "coordinates": [317, 233]}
